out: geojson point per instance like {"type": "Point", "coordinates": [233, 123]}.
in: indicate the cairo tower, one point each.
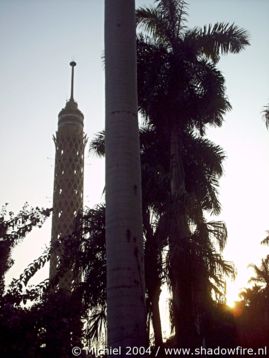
{"type": "Point", "coordinates": [70, 141]}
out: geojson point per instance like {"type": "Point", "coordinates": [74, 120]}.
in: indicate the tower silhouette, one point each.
{"type": "Point", "coordinates": [70, 141]}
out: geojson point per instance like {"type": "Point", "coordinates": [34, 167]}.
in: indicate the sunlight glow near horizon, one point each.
{"type": "Point", "coordinates": [40, 38]}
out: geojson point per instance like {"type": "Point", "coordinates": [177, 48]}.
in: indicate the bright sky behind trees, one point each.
{"type": "Point", "coordinates": [38, 40]}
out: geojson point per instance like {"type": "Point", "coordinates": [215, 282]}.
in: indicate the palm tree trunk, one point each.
{"type": "Point", "coordinates": [156, 318]}
{"type": "Point", "coordinates": [200, 289]}
{"type": "Point", "coordinates": [124, 237]}
{"type": "Point", "coordinates": [153, 281]}
{"type": "Point", "coordinates": [180, 265]}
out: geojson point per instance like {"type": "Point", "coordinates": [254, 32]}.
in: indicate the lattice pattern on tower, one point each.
{"type": "Point", "coordinates": [70, 143]}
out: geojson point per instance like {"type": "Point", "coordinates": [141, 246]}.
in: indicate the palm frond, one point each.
{"type": "Point", "coordinates": [96, 324]}
{"type": "Point", "coordinates": [203, 166]}
{"type": "Point", "coordinates": [251, 295]}
{"type": "Point", "coordinates": [165, 22]}
{"type": "Point", "coordinates": [92, 256]}
{"type": "Point", "coordinates": [203, 150]}
{"type": "Point", "coordinates": [211, 104]}
{"type": "Point", "coordinates": [219, 268]}
{"type": "Point", "coordinates": [151, 20]}
{"type": "Point", "coordinates": [261, 273]}
{"type": "Point", "coordinates": [220, 38]}
{"type": "Point", "coordinates": [175, 17]}
{"type": "Point", "coordinates": [152, 76]}
{"type": "Point", "coordinates": [97, 145]}
{"type": "Point", "coordinates": [218, 231]}
{"type": "Point", "coordinates": [266, 115]}
{"type": "Point", "coordinates": [266, 240]}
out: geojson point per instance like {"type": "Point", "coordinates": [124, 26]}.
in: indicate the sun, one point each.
{"type": "Point", "coordinates": [231, 303]}
{"type": "Point", "coordinates": [233, 289]}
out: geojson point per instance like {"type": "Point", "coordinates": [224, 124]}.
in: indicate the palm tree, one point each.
{"type": "Point", "coordinates": [203, 166]}
{"type": "Point", "coordinates": [266, 115]}
{"type": "Point", "coordinates": [253, 321]}
{"type": "Point", "coordinates": [124, 238]}
{"type": "Point", "coordinates": [259, 303]}
{"type": "Point", "coordinates": [262, 273]}
{"type": "Point", "coordinates": [203, 162]}
{"type": "Point", "coordinates": [183, 90]}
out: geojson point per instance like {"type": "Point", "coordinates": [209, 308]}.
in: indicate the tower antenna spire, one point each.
{"type": "Point", "coordinates": [72, 64]}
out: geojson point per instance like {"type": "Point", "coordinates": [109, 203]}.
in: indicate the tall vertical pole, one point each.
{"type": "Point", "coordinates": [72, 64]}
{"type": "Point", "coordinates": [124, 236]}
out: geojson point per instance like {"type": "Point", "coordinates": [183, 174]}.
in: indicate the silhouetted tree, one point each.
{"type": "Point", "coordinates": [266, 115]}
{"type": "Point", "coordinates": [18, 334]}
{"type": "Point", "coordinates": [252, 317]}
{"type": "Point", "coordinates": [202, 160]}
{"type": "Point", "coordinates": [180, 88]}
{"type": "Point", "coordinates": [14, 228]}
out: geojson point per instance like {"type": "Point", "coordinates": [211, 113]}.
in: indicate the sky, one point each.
{"type": "Point", "coordinates": [38, 40]}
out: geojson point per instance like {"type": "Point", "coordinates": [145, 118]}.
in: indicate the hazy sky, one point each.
{"type": "Point", "coordinates": [38, 40]}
